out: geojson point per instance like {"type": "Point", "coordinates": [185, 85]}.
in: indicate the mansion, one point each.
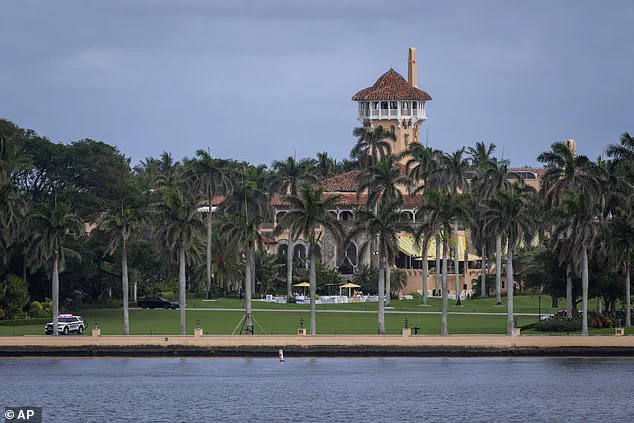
{"type": "Point", "coordinates": [400, 106]}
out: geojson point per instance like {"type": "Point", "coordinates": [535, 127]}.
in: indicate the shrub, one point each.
{"type": "Point", "coordinates": [23, 322]}
{"type": "Point", "coordinates": [36, 310]}
{"type": "Point", "coordinates": [14, 296]}
{"type": "Point", "coordinates": [558, 325]}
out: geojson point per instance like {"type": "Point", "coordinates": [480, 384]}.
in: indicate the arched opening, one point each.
{"type": "Point", "coordinates": [299, 252]}
{"type": "Point", "coordinates": [282, 250]}
{"type": "Point", "coordinates": [279, 216]}
{"type": "Point", "coordinates": [346, 215]}
{"type": "Point", "coordinates": [350, 259]}
{"type": "Point", "coordinates": [407, 216]}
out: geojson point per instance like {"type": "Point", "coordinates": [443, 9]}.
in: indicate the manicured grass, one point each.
{"type": "Point", "coordinates": [166, 322]}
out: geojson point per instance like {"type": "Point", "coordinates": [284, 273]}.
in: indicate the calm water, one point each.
{"type": "Point", "coordinates": [321, 389]}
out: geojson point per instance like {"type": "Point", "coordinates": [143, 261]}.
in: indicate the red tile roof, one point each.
{"type": "Point", "coordinates": [391, 86]}
{"type": "Point", "coordinates": [349, 199]}
{"type": "Point", "coordinates": [345, 182]}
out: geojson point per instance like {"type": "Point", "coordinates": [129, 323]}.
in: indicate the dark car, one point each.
{"type": "Point", "coordinates": [157, 302]}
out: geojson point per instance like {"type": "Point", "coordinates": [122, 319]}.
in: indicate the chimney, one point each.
{"type": "Point", "coordinates": [411, 68]}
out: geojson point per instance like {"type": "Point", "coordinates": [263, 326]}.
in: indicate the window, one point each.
{"type": "Point", "coordinates": [414, 105]}
{"type": "Point", "coordinates": [384, 105]}
{"type": "Point", "coordinates": [393, 105]}
{"type": "Point", "coordinates": [282, 250]}
{"type": "Point", "coordinates": [392, 129]}
{"type": "Point", "coordinates": [346, 215]}
{"type": "Point", "coordinates": [299, 252]}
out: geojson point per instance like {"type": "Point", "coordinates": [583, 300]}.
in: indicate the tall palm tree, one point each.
{"type": "Point", "coordinates": [178, 230]}
{"type": "Point", "coordinates": [621, 236]}
{"type": "Point", "coordinates": [325, 165]}
{"type": "Point", "coordinates": [289, 175]}
{"type": "Point", "coordinates": [52, 229]}
{"type": "Point", "coordinates": [207, 177]}
{"type": "Point", "coordinates": [372, 144]}
{"type": "Point", "coordinates": [565, 170]}
{"type": "Point", "coordinates": [242, 230]}
{"type": "Point", "coordinates": [12, 213]}
{"type": "Point", "coordinates": [445, 209]}
{"type": "Point", "coordinates": [309, 216]}
{"type": "Point", "coordinates": [452, 174]}
{"type": "Point", "coordinates": [421, 164]}
{"type": "Point", "coordinates": [482, 157]}
{"type": "Point", "coordinates": [509, 212]}
{"type": "Point", "coordinates": [120, 225]}
{"type": "Point", "coordinates": [624, 150]}
{"type": "Point", "coordinates": [382, 229]}
{"type": "Point", "coordinates": [496, 177]}
{"type": "Point", "coordinates": [383, 181]}
{"type": "Point", "coordinates": [579, 223]}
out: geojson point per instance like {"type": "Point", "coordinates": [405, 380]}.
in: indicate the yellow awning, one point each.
{"type": "Point", "coordinates": [408, 246]}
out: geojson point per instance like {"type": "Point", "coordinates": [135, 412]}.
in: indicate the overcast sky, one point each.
{"type": "Point", "coordinates": [257, 80]}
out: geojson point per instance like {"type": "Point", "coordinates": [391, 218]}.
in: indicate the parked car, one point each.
{"type": "Point", "coordinates": [157, 302]}
{"type": "Point", "coordinates": [66, 323]}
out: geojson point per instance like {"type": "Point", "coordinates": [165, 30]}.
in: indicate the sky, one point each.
{"type": "Point", "coordinates": [262, 80]}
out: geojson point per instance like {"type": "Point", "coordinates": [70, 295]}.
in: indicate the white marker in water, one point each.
{"type": "Point", "coordinates": [281, 354]}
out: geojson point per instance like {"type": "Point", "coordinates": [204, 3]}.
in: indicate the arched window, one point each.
{"type": "Point", "coordinates": [282, 250]}
{"type": "Point", "coordinates": [299, 252]}
{"type": "Point", "coordinates": [350, 259]}
{"type": "Point", "coordinates": [346, 215]}
{"type": "Point", "coordinates": [393, 129]}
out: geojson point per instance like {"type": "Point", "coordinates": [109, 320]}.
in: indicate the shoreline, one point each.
{"type": "Point", "coordinates": [320, 345]}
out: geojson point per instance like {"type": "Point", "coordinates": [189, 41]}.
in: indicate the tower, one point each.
{"type": "Point", "coordinates": [396, 104]}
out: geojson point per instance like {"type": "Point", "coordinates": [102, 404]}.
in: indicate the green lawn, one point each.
{"type": "Point", "coordinates": [166, 322]}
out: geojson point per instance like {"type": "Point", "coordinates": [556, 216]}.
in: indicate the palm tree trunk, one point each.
{"type": "Point", "coordinates": [125, 289]}
{"type": "Point", "coordinates": [55, 292]}
{"type": "Point", "coordinates": [465, 258]}
{"type": "Point", "coordinates": [425, 270]}
{"type": "Point", "coordinates": [388, 285]}
{"type": "Point", "coordinates": [569, 300]}
{"type": "Point", "coordinates": [509, 287]}
{"type": "Point", "coordinates": [209, 226]}
{"type": "Point", "coordinates": [437, 282]}
{"type": "Point", "coordinates": [313, 290]}
{"type": "Point", "coordinates": [628, 302]}
{"type": "Point", "coordinates": [134, 291]}
{"type": "Point", "coordinates": [456, 263]}
{"type": "Point", "coordinates": [182, 280]}
{"type": "Point", "coordinates": [584, 289]}
{"type": "Point", "coordinates": [445, 288]}
{"type": "Point", "coordinates": [289, 268]}
{"type": "Point", "coordinates": [381, 288]}
{"type": "Point", "coordinates": [247, 291]}
{"type": "Point", "coordinates": [253, 275]}
{"type": "Point", "coordinates": [483, 276]}
{"type": "Point", "coordinates": [498, 270]}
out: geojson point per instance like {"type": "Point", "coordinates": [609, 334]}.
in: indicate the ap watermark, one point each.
{"type": "Point", "coordinates": [23, 414]}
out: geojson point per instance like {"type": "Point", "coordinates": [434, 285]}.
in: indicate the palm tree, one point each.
{"type": "Point", "coordinates": [325, 165]}
{"type": "Point", "coordinates": [241, 229]}
{"type": "Point", "coordinates": [445, 209]}
{"type": "Point", "coordinates": [382, 229]}
{"type": "Point", "coordinates": [624, 151]}
{"type": "Point", "coordinates": [382, 181]}
{"type": "Point", "coordinates": [621, 236]}
{"type": "Point", "coordinates": [428, 225]}
{"type": "Point", "coordinates": [207, 178]}
{"type": "Point", "coordinates": [12, 212]}
{"type": "Point", "coordinates": [178, 230]}
{"type": "Point", "coordinates": [120, 226]}
{"type": "Point", "coordinates": [372, 144]}
{"type": "Point", "coordinates": [289, 175]}
{"type": "Point", "coordinates": [421, 163]}
{"type": "Point", "coordinates": [509, 212]}
{"type": "Point", "coordinates": [452, 176]}
{"type": "Point", "coordinates": [578, 227]}
{"type": "Point", "coordinates": [309, 216]}
{"type": "Point", "coordinates": [496, 177]}
{"type": "Point", "coordinates": [482, 157]}
{"type": "Point", "coordinates": [52, 229]}
{"type": "Point", "coordinates": [566, 171]}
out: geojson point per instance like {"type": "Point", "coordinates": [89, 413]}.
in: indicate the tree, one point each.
{"type": "Point", "coordinates": [372, 144]}
{"type": "Point", "coordinates": [52, 230]}
{"type": "Point", "coordinates": [208, 178]}
{"type": "Point", "coordinates": [620, 232]}
{"type": "Point", "coordinates": [120, 225]}
{"type": "Point", "coordinates": [241, 229]}
{"type": "Point", "coordinates": [382, 181]}
{"type": "Point", "coordinates": [509, 212]}
{"type": "Point", "coordinates": [289, 175]}
{"type": "Point", "coordinates": [566, 171]}
{"type": "Point", "coordinates": [309, 217]}
{"type": "Point", "coordinates": [381, 229]}
{"type": "Point", "coordinates": [421, 164]}
{"type": "Point", "coordinates": [325, 166]}
{"type": "Point", "coordinates": [178, 230]}
{"type": "Point", "coordinates": [14, 296]}
{"type": "Point", "coordinates": [445, 209]}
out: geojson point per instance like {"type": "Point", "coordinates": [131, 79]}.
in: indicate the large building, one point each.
{"type": "Point", "coordinates": [399, 105]}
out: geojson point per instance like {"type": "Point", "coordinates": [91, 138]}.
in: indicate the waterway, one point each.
{"type": "Point", "coordinates": [321, 389]}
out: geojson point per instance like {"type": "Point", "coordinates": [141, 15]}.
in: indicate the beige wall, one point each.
{"type": "Point", "coordinates": [403, 136]}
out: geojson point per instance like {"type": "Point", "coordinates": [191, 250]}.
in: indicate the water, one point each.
{"type": "Point", "coordinates": [321, 389]}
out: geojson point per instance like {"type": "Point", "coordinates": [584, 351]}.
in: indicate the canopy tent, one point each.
{"type": "Point", "coordinates": [349, 285]}
{"type": "Point", "coordinates": [303, 285]}
{"type": "Point", "coordinates": [408, 246]}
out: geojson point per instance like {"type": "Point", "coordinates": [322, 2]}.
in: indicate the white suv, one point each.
{"type": "Point", "coordinates": [66, 323]}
